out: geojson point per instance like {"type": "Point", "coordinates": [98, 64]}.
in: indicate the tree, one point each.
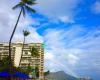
{"type": "Point", "coordinates": [35, 53]}
{"type": "Point", "coordinates": [4, 64]}
{"type": "Point", "coordinates": [24, 5]}
{"type": "Point", "coordinates": [37, 71]}
{"type": "Point", "coordinates": [4, 67]}
{"type": "Point", "coordinates": [25, 34]}
{"type": "Point", "coordinates": [46, 74]}
{"type": "Point", "coordinates": [28, 69]}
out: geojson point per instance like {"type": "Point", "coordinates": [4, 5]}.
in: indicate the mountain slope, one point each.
{"type": "Point", "coordinates": [60, 75]}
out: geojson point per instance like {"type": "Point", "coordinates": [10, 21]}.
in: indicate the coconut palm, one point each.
{"type": "Point", "coordinates": [25, 34]}
{"type": "Point", "coordinates": [24, 5]}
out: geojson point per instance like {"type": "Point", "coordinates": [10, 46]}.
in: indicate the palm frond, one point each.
{"type": "Point", "coordinates": [26, 33]}
{"type": "Point", "coordinates": [31, 2]}
{"type": "Point", "coordinates": [17, 6]}
{"type": "Point", "coordinates": [23, 10]}
{"type": "Point", "coordinates": [29, 9]}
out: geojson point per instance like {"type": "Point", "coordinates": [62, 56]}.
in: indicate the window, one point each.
{"type": "Point", "coordinates": [26, 52]}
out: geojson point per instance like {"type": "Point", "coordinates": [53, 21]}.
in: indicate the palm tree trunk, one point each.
{"type": "Point", "coordinates": [34, 69]}
{"type": "Point", "coordinates": [22, 51]}
{"type": "Point", "coordinates": [10, 41]}
{"type": "Point", "coordinates": [0, 56]}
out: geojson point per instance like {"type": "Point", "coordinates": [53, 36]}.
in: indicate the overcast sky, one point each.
{"type": "Point", "coordinates": [70, 30]}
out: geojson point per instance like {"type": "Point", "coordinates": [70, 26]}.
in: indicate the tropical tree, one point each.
{"type": "Point", "coordinates": [4, 64]}
{"type": "Point", "coordinates": [24, 5]}
{"type": "Point", "coordinates": [46, 74]}
{"type": "Point", "coordinates": [25, 34]}
{"type": "Point", "coordinates": [37, 71]}
{"type": "Point", "coordinates": [29, 69]}
{"type": "Point", "coordinates": [35, 53]}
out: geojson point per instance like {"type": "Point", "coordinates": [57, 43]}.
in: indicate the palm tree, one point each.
{"type": "Point", "coordinates": [25, 34]}
{"type": "Point", "coordinates": [35, 53]}
{"type": "Point", "coordinates": [24, 5]}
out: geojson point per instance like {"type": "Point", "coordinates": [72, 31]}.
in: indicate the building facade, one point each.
{"type": "Point", "coordinates": [27, 58]}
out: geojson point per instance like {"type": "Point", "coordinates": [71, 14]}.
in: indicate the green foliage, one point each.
{"type": "Point", "coordinates": [6, 61]}
{"type": "Point", "coordinates": [29, 9]}
{"type": "Point", "coordinates": [37, 71]}
{"type": "Point", "coordinates": [34, 52]}
{"type": "Point", "coordinates": [25, 6]}
{"type": "Point", "coordinates": [46, 73]}
{"type": "Point", "coordinates": [29, 2]}
{"type": "Point", "coordinates": [4, 64]}
{"type": "Point", "coordinates": [2, 79]}
{"type": "Point", "coordinates": [26, 33]}
{"type": "Point", "coordinates": [17, 6]}
{"type": "Point", "coordinates": [29, 69]}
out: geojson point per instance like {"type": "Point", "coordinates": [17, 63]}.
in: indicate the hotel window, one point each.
{"type": "Point", "coordinates": [26, 52]}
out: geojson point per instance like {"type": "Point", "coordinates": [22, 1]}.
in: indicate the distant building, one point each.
{"type": "Point", "coordinates": [26, 56]}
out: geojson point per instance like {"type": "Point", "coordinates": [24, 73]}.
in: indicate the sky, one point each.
{"type": "Point", "coordinates": [70, 30]}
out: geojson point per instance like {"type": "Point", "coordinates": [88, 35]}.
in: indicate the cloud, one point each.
{"type": "Point", "coordinates": [8, 18]}
{"type": "Point", "coordinates": [60, 56]}
{"type": "Point", "coordinates": [96, 7]}
{"type": "Point", "coordinates": [69, 48]}
{"type": "Point", "coordinates": [66, 19]}
{"type": "Point", "coordinates": [72, 59]}
{"type": "Point", "coordinates": [58, 8]}
{"type": "Point", "coordinates": [75, 48]}
{"type": "Point", "coordinates": [49, 56]}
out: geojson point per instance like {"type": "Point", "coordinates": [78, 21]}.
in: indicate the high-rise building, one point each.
{"type": "Point", "coordinates": [27, 58]}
